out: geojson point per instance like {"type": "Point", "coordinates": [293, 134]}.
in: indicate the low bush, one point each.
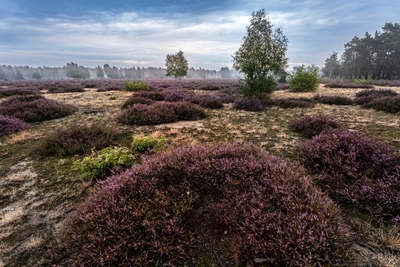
{"type": "Point", "coordinates": [338, 84]}
{"type": "Point", "coordinates": [136, 100]}
{"type": "Point", "coordinates": [310, 126]}
{"type": "Point", "coordinates": [146, 144]}
{"type": "Point", "coordinates": [10, 125]}
{"type": "Point", "coordinates": [153, 95]}
{"type": "Point", "coordinates": [355, 169]}
{"type": "Point", "coordinates": [248, 104]}
{"type": "Point", "coordinates": [210, 87]}
{"type": "Point", "coordinates": [177, 96]}
{"type": "Point", "coordinates": [386, 104]}
{"type": "Point", "coordinates": [305, 79]}
{"type": "Point", "coordinates": [366, 96]}
{"type": "Point", "coordinates": [12, 90]}
{"type": "Point", "coordinates": [225, 98]}
{"type": "Point", "coordinates": [101, 164]}
{"type": "Point", "coordinates": [31, 108]}
{"type": "Point", "coordinates": [188, 112]}
{"type": "Point", "coordinates": [134, 86]}
{"type": "Point", "coordinates": [77, 139]}
{"type": "Point", "coordinates": [207, 205]}
{"type": "Point", "coordinates": [333, 100]}
{"type": "Point", "coordinates": [208, 101]}
{"type": "Point", "coordinates": [66, 88]}
{"type": "Point", "coordinates": [141, 114]}
{"type": "Point", "coordinates": [292, 102]}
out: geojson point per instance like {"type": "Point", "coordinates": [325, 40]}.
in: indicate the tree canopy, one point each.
{"type": "Point", "coordinates": [177, 65]}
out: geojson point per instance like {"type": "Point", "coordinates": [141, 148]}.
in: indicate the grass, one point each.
{"type": "Point", "coordinates": [37, 193]}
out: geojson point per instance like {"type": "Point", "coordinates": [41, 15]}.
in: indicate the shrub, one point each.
{"type": "Point", "coordinates": [10, 125]}
{"type": "Point", "coordinates": [31, 108]}
{"type": "Point", "coordinates": [292, 102]}
{"type": "Point", "coordinates": [210, 101]}
{"type": "Point", "coordinates": [66, 88]}
{"type": "Point", "coordinates": [305, 79]}
{"type": "Point", "coordinates": [136, 100]}
{"type": "Point", "coordinates": [282, 86]}
{"type": "Point", "coordinates": [310, 126]}
{"type": "Point", "coordinates": [141, 114]}
{"type": "Point", "coordinates": [210, 87]}
{"type": "Point", "coordinates": [387, 104]}
{"type": "Point", "coordinates": [177, 96]}
{"type": "Point", "coordinates": [102, 163]}
{"type": "Point", "coordinates": [153, 95]}
{"type": "Point", "coordinates": [366, 96]}
{"type": "Point", "coordinates": [145, 144]}
{"type": "Point", "coordinates": [189, 112]}
{"type": "Point", "coordinates": [225, 98]}
{"type": "Point", "coordinates": [336, 84]}
{"type": "Point", "coordinates": [333, 100]}
{"type": "Point", "coordinates": [11, 90]}
{"type": "Point", "coordinates": [134, 86]}
{"type": "Point", "coordinates": [77, 139]}
{"type": "Point", "coordinates": [207, 204]}
{"type": "Point", "coordinates": [248, 104]}
{"type": "Point", "coordinates": [355, 169]}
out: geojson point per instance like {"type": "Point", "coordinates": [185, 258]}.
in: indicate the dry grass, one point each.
{"type": "Point", "coordinates": [36, 194]}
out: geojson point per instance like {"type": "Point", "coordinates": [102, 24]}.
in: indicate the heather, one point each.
{"type": "Point", "coordinates": [289, 102]}
{"type": "Point", "coordinates": [31, 108]}
{"type": "Point", "coordinates": [366, 96]}
{"type": "Point", "coordinates": [152, 95]}
{"type": "Point", "coordinates": [214, 204]}
{"type": "Point", "coordinates": [136, 100]}
{"type": "Point", "coordinates": [339, 84]}
{"type": "Point", "coordinates": [248, 104]}
{"type": "Point", "coordinates": [10, 125]}
{"type": "Point", "coordinates": [18, 90]}
{"type": "Point", "coordinates": [310, 126]}
{"type": "Point", "coordinates": [355, 169]}
{"type": "Point", "coordinates": [77, 139]}
{"type": "Point", "coordinates": [386, 104]}
{"type": "Point", "coordinates": [333, 100]}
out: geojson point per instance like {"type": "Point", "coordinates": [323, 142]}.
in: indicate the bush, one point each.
{"type": "Point", "coordinates": [153, 95]}
{"type": "Point", "coordinates": [210, 204]}
{"type": "Point", "coordinates": [310, 126]}
{"type": "Point", "coordinates": [10, 91]}
{"type": "Point", "coordinates": [102, 163]}
{"type": "Point", "coordinates": [248, 104]}
{"type": "Point", "coordinates": [355, 169]}
{"type": "Point", "coordinates": [305, 79]}
{"type": "Point", "coordinates": [366, 96]}
{"type": "Point", "coordinates": [387, 104]}
{"type": "Point", "coordinates": [188, 112]}
{"type": "Point", "coordinates": [77, 139]}
{"type": "Point", "coordinates": [31, 108]}
{"type": "Point", "coordinates": [177, 96]}
{"type": "Point", "coordinates": [10, 125]}
{"type": "Point", "coordinates": [336, 84]}
{"type": "Point", "coordinates": [66, 88]}
{"type": "Point", "coordinates": [134, 86]}
{"type": "Point", "coordinates": [136, 100]}
{"type": "Point", "coordinates": [210, 101]}
{"type": "Point", "coordinates": [225, 98]}
{"type": "Point", "coordinates": [333, 100]}
{"type": "Point", "coordinates": [141, 114]}
{"type": "Point", "coordinates": [292, 102]}
{"type": "Point", "coordinates": [145, 144]}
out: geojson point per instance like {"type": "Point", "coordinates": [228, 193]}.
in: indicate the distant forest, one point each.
{"type": "Point", "coordinates": [74, 71]}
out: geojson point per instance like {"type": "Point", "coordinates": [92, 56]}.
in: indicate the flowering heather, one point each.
{"type": "Point", "coordinates": [153, 95]}
{"type": "Point", "coordinates": [249, 104]}
{"type": "Point", "coordinates": [311, 126]}
{"type": "Point", "coordinates": [31, 108]}
{"type": "Point", "coordinates": [187, 112]}
{"type": "Point", "coordinates": [208, 101]}
{"type": "Point", "coordinates": [136, 100]}
{"type": "Point", "coordinates": [387, 104]}
{"type": "Point", "coordinates": [177, 96]}
{"type": "Point", "coordinates": [355, 169]}
{"type": "Point", "coordinates": [14, 90]}
{"type": "Point", "coordinates": [336, 84]}
{"type": "Point", "coordinates": [333, 100]}
{"type": "Point", "coordinates": [366, 96]}
{"type": "Point", "coordinates": [235, 202]}
{"type": "Point", "coordinates": [141, 114]}
{"type": "Point", "coordinates": [301, 102]}
{"type": "Point", "coordinates": [10, 125]}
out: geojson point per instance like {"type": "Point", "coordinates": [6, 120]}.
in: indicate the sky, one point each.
{"type": "Point", "coordinates": [126, 33]}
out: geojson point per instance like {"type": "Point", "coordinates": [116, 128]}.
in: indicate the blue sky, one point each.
{"type": "Point", "coordinates": [126, 33]}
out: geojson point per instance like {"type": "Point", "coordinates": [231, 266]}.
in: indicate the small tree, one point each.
{"type": "Point", "coordinates": [305, 79]}
{"type": "Point", "coordinates": [36, 75]}
{"type": "Point", "coordinates": [261, 56]}
{"type": "Point", "coordinates": [177, 65]}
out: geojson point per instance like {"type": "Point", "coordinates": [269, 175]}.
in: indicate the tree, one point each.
{"type": "Point", "coordinates": [332, 66]}
{"type": "Point", "coordinates": [99, 72]}
{"type": "Point", "coordinates": [261, 56]}
{"type": "Point", "coordinates": [177, 65]}
{"type": "Point", "coordinates": [77, 72]}
{"type": "Point", "coordinates": [19, 75]}
{"type": "Point", "coordinates": [36, 75]}
{"type": "Point", "coordinates": [225, 72]}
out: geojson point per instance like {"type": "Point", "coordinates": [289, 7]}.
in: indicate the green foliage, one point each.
{"type": "Point", "coordinates": [177, 65]}
{"type": "Point", "coordinates": [76, 72]}
{"type": "Point", "coordinates": [101, 163]}
{"type": "Point", "coordinates": [261, 56]}
{"type": "Point", "coordinates": [134, 86]}
{"type": "Point", "coordinates": [305, 79]}
{"type": "Point", "coordinates": [144, 144]}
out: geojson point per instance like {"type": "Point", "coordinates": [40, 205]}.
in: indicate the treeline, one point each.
{"type": "Point", "coordinates": [369, 57]}
{"type": "Point", "coordinates": [74, 71]}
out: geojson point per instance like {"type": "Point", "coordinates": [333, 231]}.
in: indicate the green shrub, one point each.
{"type": "Point", "coordinates": [305, 79]}
{"type": "Point", "coordinates": [134, 86]}
{"type": "Point", "coordinates": [102, 163]}
{"type": "Point", "coordinates": [144, 144]}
